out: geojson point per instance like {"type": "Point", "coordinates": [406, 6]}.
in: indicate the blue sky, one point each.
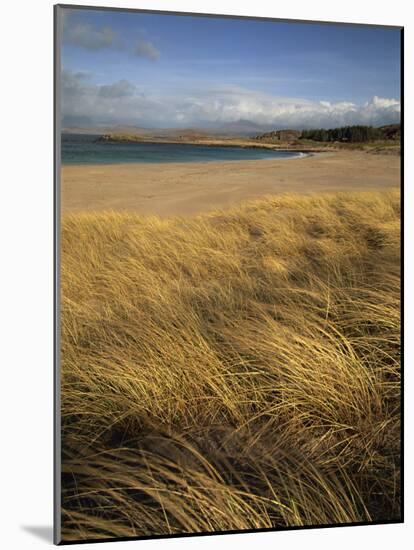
{"type": "Point", "coordinates": [167, 71]}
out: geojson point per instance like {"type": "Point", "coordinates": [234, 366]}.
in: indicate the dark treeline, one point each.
{"type": "Point", "coordinates": [345, 133]}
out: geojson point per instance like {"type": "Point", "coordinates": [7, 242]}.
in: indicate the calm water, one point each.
{"type": "Point", "coordinates": [84, 149]}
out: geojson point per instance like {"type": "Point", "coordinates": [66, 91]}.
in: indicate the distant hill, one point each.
{"type": "Point", "coordinates": [280, 135]}
{"type": "Point", "coordinates": [176, 133]}
{"type": "Point", "coordinates": [98, 130]}
{"type": "Point", "coordinates": [391, 131]}
{"type": "Point", "coordinates": [242, 128]}
{"type": "Point", "coordinates": [356, 133]}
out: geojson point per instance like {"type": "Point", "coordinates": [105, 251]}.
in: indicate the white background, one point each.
{"type": "Point", "coordinates": [26, 306]}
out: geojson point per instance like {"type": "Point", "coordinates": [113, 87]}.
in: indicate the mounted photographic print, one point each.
{"type": "Point", "coordinates": [228, 292]}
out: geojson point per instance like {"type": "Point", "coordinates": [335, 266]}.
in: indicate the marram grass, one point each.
{"type": "Point", "coordinates": [237, 370]}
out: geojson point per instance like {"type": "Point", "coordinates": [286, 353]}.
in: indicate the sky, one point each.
{"type": "Point", "coordinates": [171, 71]}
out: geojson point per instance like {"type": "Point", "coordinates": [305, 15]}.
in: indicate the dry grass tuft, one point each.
{"type": "Point", "coordinates": [237, 370]}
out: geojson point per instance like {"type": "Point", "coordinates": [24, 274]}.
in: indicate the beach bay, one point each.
{"type": "Point", "coordinates": [169, 189]}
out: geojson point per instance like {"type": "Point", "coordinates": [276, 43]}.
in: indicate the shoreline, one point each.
{"type": "Point", "coordinates": [305, 146]}
{"type": "Point", "coordinates": [299, 155]}
{"type": "Point", "coordinates": [240, 144]}
{"type": "Point", "coordinates": [190, 188]}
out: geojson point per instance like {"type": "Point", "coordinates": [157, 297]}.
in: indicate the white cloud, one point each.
{"type": "Point", "coordinates": [144, 48]}
{"type": "Point", "coordinates": [384, 102]}
{"type": "Point", "coordinates": [78, 32]}
{"type": "Point", "coordinates": [86, 35]}
{"type": "Point", "coordinates": [124, 103]}
{"type": "Point", "coordinates": [122, 88]}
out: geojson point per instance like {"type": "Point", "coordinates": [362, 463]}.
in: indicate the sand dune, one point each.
{"type": "Point", "coordinates": [237, 370]}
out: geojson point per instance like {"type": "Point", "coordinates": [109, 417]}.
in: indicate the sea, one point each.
{"type": "Point", "coordinates": [86, 149]}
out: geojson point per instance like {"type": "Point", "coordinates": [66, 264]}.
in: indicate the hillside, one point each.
{"type": "Point", "coordinates": [353, 136]}
{"type": "Point", "coordinates": [280, 135]}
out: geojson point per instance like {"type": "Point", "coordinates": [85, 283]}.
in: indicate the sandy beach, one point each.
{"type": "Point", "coordinates": [189, 188]}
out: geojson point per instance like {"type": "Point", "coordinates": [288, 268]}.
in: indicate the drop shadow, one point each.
{"type": "Point", "coordinates": [43, 532]}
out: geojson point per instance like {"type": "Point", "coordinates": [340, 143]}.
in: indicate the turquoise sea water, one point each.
{"type": "Point", "coordinates": [85, 149]}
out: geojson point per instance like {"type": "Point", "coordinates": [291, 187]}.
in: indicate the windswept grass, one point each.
{"type": "Point", "coordinates": [237, 370]}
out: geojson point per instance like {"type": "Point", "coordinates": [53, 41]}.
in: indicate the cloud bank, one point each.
{"type": "Point", "coordinates": [124, 103]}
